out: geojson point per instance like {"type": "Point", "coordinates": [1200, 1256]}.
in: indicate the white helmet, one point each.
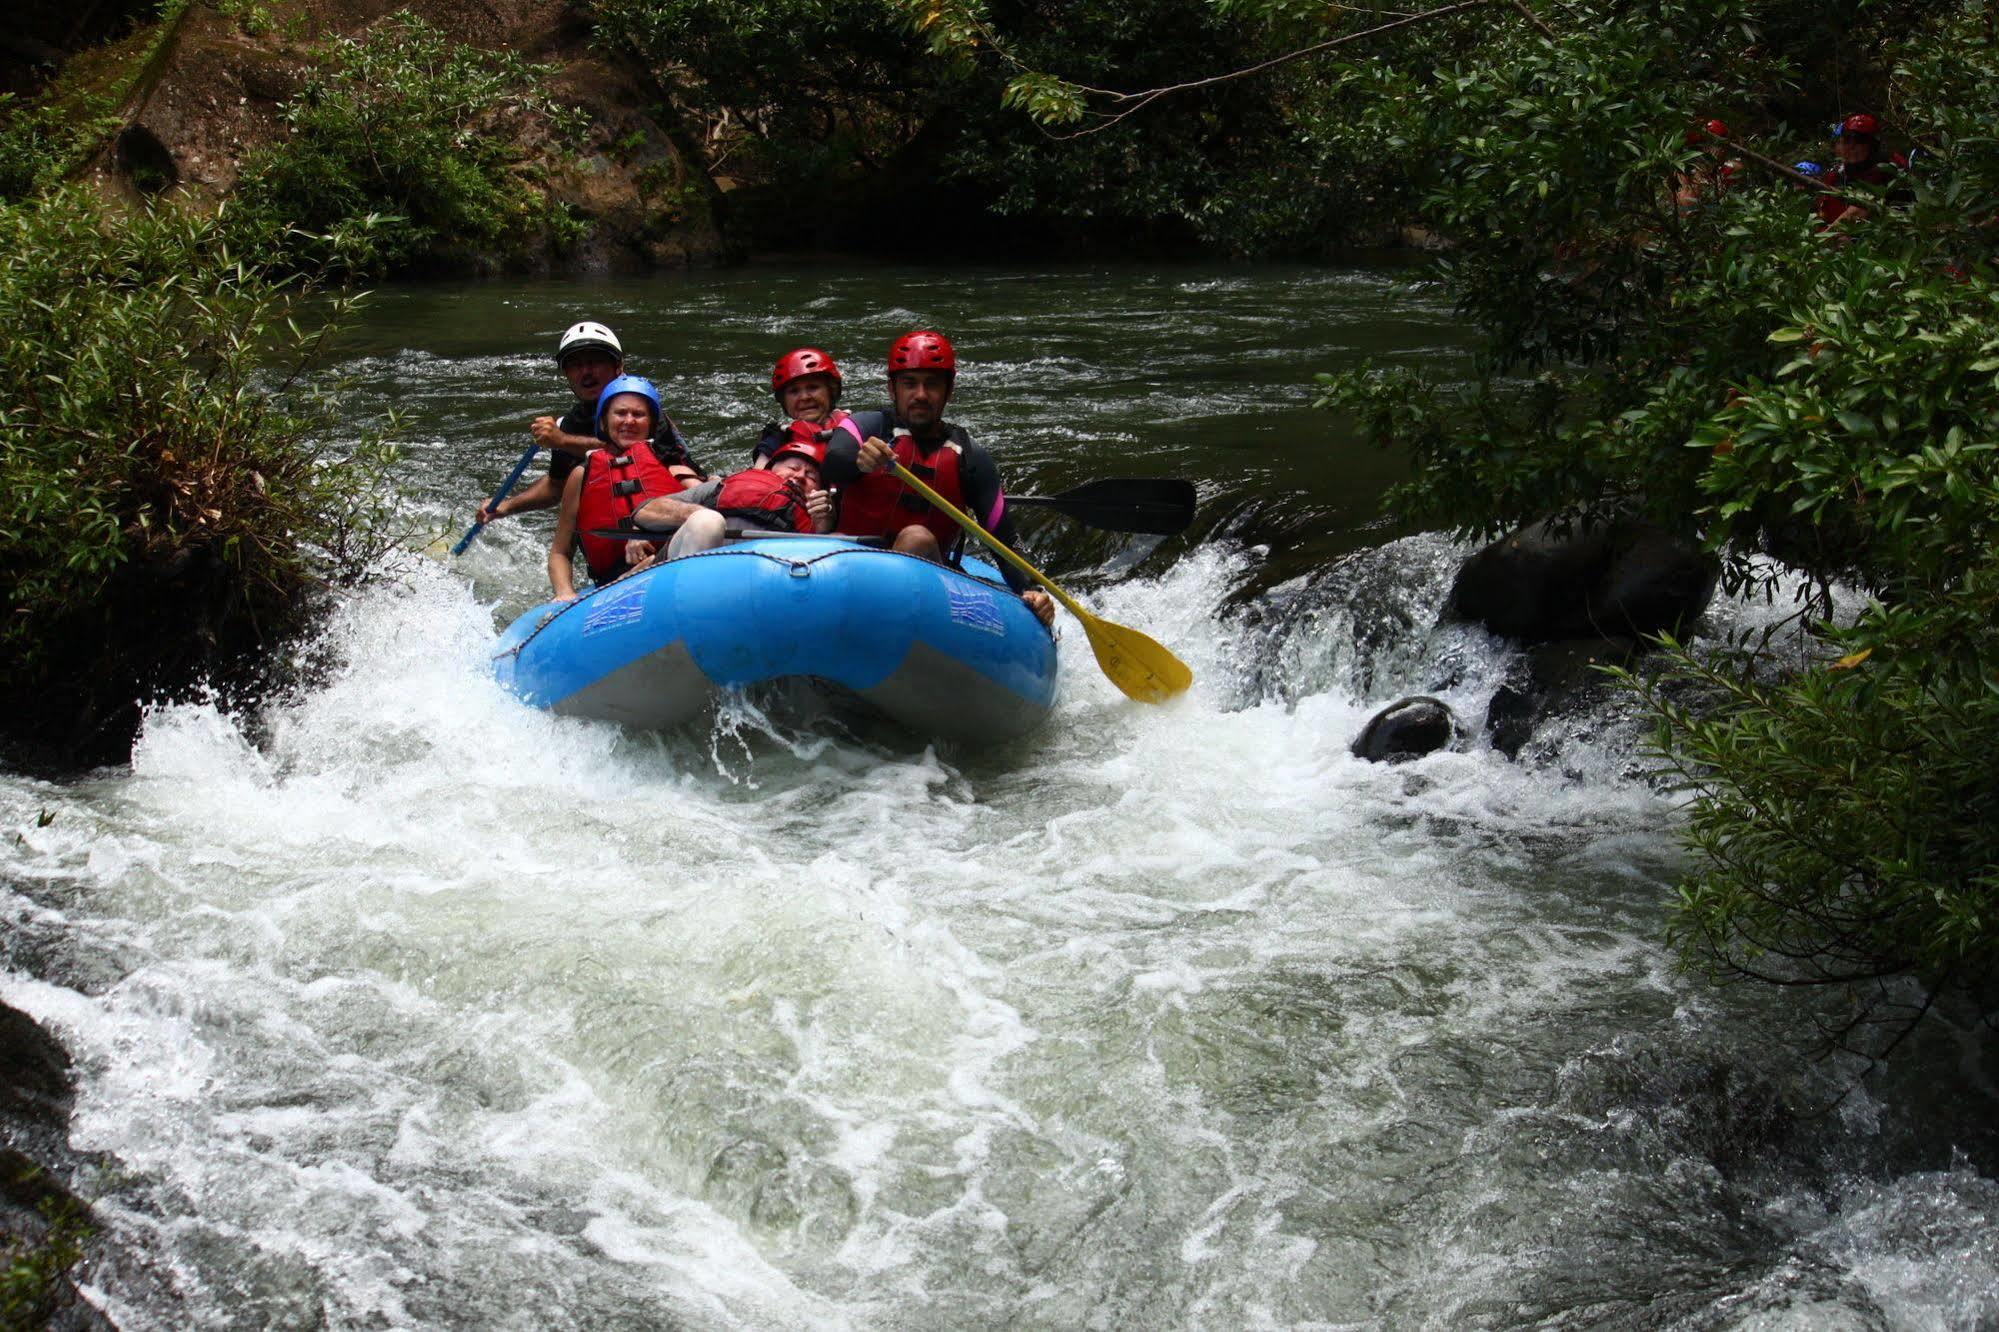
{"type": "Point", "coordinates": [587, 336]}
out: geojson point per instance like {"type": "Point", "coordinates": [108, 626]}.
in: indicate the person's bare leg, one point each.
{"type": "Point", "coordinates": [702, 531]}
{"type": "Point", "coordinates": [914, 540]}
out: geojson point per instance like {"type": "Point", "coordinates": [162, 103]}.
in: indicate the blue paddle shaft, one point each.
{"type": "Point", "coordinates": [506, 488]}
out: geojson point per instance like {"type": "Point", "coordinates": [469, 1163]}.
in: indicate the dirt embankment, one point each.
{"type": "Point", "coordinates": [206, 88]}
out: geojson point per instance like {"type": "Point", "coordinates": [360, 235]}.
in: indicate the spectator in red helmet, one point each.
{"type": "Point", "coordinates": [1856, 142]}
{"type": "Point", "coordinates": [922, 371]}
{"type": "Point", "coordinates": [784, 496]}
{"type": "Point", "coordinates": [806, 384]}
{"type": "Point", "coordinates": [589, 356]}
{"type": "Point", "coordinates": [1709, 175]}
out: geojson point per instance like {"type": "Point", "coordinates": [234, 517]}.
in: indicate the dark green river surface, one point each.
{"type": "Point", "coordinates": [397, 1003]}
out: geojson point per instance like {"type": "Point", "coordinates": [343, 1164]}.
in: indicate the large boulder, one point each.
{"type": "Point", "coordinates": [1621, 579]}
{"type": "Point", "coordinates": [1406, 729]}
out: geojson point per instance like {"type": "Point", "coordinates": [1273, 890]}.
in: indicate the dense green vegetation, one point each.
{"type": "Point", "coordinates": [1829, 397]}
{"type": "Point", "coordinates": [836, 108]}
{"type": "Point", "coordinates": [411, 153]}
{"type": "Point", "coordinates": [173, 488]}
{"type": "Point", "coordinates": [168, 500]}
{"type": "Point", "coordinates": [41, 140]}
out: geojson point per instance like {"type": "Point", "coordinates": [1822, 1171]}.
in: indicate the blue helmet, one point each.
{"type": "Point", "coordinates": [1812, 169]}
{"type": "Point", "coordinates": [627, 384]}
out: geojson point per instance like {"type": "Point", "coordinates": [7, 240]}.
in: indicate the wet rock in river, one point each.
{"type": "Point", "coordinates": [1623, 578]}
{"type": "Point", "coordinates": [1552, 680]}
{"type": "Point", "coordinates": [41, 1222]}
{"type": "Point", "coordinates": [1406, 729]}
{"type": "Point", "coordinates": [34, 1072]}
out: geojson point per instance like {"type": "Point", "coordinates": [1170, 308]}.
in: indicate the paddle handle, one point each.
{"type": "Point", "coordinates": [506, 488]}
{"type": "Point", "coordinates": [998, 547]}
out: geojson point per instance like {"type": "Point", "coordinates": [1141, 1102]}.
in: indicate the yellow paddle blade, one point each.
{"type": "Point", "coordinates": [1143, 669]}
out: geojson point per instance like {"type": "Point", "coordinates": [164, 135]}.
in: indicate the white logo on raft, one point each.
{"type": "Point", "coordinates": [615, 610]}
{"type": "Point", "coordinates": [975, 608]}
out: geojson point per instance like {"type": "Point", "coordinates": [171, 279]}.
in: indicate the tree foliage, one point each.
{"type": "Point", "coordinates": [407, 152]}
{"type": "Point", "coordinates": [1674, 339]}
{"type": "Point", "coordinates": [878, 97]}
{"type": "Point", "coordinates": [169, 492]}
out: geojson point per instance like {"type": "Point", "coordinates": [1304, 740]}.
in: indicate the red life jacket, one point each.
{"type": "Point", "coordinates": [804, 432]}
{"type": "Point", "coordinates": [764, 499]}
{"type": "Point", "coordinates": [877, 504]}
{"type": "Point", "coordinates": [614, 486]}
{"type": "Point", "coordinates": [777, 436]}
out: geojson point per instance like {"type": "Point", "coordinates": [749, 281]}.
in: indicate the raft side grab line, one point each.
{"type": "Point", "coordinates": [950, 652]}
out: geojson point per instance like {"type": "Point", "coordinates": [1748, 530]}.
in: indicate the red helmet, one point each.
{"type": "Point", "coordinates": [1860, 123]}
{"type": "Point", "coordinates": [922, 350]}
{"type": "Point", "coordinates": [1717, 128]}
{"type": "Point", "coordinates": [1709, 128]}
{"type": "Point", "coordinates": [798, 448]}
{"type": "Point", "coordinates": [800, 363]}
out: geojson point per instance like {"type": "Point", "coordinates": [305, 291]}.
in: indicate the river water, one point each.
{"type": "Point", "coordinates": [397, 1004]}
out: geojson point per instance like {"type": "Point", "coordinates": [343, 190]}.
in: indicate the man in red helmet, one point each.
{"type": "Point", "coordinates": [589, 356]}
{"type": "Point", "coordinates": [784, 496]}
{"type": "Point", "coordinates": [806, 384]}
{"type": "Point", "coordinates": [922, 371]}
{"type": "Point", "coordinates": [1710, 176]}
{"type": "Point", "coordinates": [1856, 141]}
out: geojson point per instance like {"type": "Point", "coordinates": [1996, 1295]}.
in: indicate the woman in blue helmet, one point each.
{"type": "Point", "coordinates": [609, 487]}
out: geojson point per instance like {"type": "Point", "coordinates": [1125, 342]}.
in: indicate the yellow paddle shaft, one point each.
{"type": "Point", "coordinates": [998, 547]}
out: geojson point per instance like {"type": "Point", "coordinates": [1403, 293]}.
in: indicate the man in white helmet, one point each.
{"type": "Point", "coordinates": [589, 356]}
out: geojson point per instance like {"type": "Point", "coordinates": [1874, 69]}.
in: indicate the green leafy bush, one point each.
{"type": "Point", "coordinates": [41, 141]}
{"type": "Point", "coordinates": [428, 141]}
{"type": "Point", "coordinates": [31, 1272]}
{"type": "Point", "coordinates": [169, 497]}
{"type": "Point", "coordinates": [1828, 396]}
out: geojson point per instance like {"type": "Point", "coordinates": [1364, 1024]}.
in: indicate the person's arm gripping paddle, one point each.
{"type": "Point", "coordinates": [506, 488]}
{"type": "Point", "coordinates": [1143, 669]}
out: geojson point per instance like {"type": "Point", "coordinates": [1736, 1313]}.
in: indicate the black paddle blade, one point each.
{"type": "Point", "coordinates": [1157, 505]}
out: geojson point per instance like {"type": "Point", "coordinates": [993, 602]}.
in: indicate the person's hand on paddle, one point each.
{"type": "Point", "coordinates": [873, 455]}
{"type": "Point", "coordinates": [548, 434]}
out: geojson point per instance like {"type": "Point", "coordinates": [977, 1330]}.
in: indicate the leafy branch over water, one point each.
{"type": "Point", "coordinates": [172, 491]}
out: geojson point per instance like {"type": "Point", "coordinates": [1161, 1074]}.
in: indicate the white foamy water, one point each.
{"type": "Point", "coordinates": [430, 1010]}
{"type": "Point", "coordinates": [398, 1004]}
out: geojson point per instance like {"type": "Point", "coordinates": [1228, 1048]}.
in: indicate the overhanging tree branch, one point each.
{"type": "Point", "coordinates": [1134, 102]}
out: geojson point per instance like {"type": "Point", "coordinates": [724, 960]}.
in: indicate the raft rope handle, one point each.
{"type": "Point", "coordinates": [784, 560]}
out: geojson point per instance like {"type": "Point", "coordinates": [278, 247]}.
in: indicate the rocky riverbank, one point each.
{"type": "Point", "coordinates": [44, 1227]}
{"type": "Point", "coordinates": [198, 93]}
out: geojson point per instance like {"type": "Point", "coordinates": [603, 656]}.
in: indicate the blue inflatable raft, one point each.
{"type": "Point", "coordinates": [944, 652]}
